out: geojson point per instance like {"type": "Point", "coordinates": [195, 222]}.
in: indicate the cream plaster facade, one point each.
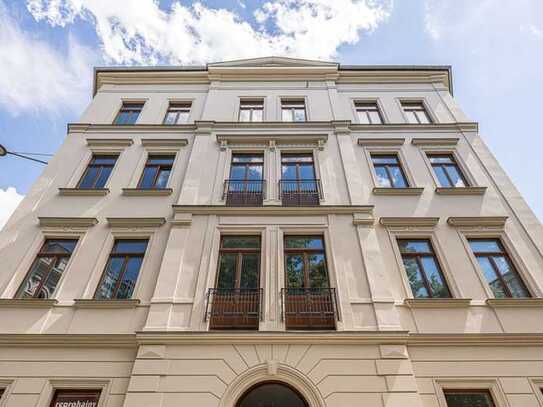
{"type": "Point", "coordinates": [388, 349]}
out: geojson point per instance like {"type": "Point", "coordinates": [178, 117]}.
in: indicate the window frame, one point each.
{"type": "Point", "coordinates": [53, 385]}
{"type": "Point", "coordinates": [469, 383]}
{"type": "Point", "coordinates": [452, 150]}
{"type": "Point", "coordinates": [255, 101]}
{"type": "Point", "coordinates": [379, 109]}
{"type": "Point", "coordinates": [396, 155]}
{"type": "Point", "coordinates": [172, 103]}
{"type": "Point", "coordinates": [454, 160]}
{"type": "Point", "coordinates": [422, 102]}
{"type": "Point", "coordinates": [292, 99]}
{"type": "Point", "coordinates": [120, 111]}
{"type": "Point", "coordinates": [304, 252]}
{"type": "Point", "coordinates": [89, 165]}
{"type": "Point", "coordinates": [239, 259]}
{"type": "Point", "coordinates": [160, 167]}
{"type": "Point", "coordinates": [470, 391]}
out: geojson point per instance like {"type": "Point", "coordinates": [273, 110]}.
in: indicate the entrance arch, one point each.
{"type": "Point", "coordinates": [271, 394]}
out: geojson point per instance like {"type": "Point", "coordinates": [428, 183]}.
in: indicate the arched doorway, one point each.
{"type": "Point", "coordinates": [271, 394]}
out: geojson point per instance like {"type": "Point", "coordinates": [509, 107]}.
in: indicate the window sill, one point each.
{"type": "Point", "coordinates": [461, 191]}
{"type": "Point", "coordinates": [111, 304]}
{"type": "Point", "coordinates": [397, 191]}
{"type": "Point", "coordinates": [27, 303]}
{"type": "Point", "coordinates": [515, 302]}
{"type": "Point", "coordinates": [83, 192]}
{"type": "Point", "coordinates": [147, 191]}
{"type": "Point", "coordinates": [437, 302]}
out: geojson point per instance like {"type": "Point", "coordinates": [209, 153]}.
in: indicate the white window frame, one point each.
{"type": "Point", "coordinates": [52, 385]}
{"type": "Point", "coordinates": [423, 101]}
{"type": "Point", "coordinates": [425, 150]}
{"type": "Point", "coordinates": [469, 383]}
{"type": "Point", "coordinates": [293, 98]}
{"type": "Point", "coordinates": [119, 105]}
{"type": "Point", "coordinates": [388, 150]}
{"type": "Point", "coordinates": [174, 101]}
{"type": "Point", "coordinates": [379, 104]}
{"type": "Point", "coordinates": [242, 99]}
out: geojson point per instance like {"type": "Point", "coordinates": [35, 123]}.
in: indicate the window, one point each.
{"type": "Point", "coordinates": [447, 171]}
{"type": "Point", "coordinates": [298, 184]}
{"type": "Point", "coordinates": [129, 113]}
{"type": "Point", "coordinates": [416, 113]}
{"type": "Point", "coordinates": [293, 110]}
{"type": "Point", "coordinates": [97, 172]}
{"type": "Point", "coordinates": [245, 186]}
{"type": "Point", "coordinates": [499, 271]}
{"type": "Point", "coordinates": [69, 398]}
{"type": "Point", "coordinates": [468, 398]}
{"type": "Point", "coordinates": [44, 275]}
{"type": "Point", "coordinates": [422, 268]}
{"type": "Point", "coordinates": [156, 172]}
{"type": "Point", "coordinates": [305, 262]}
{"type": "Point", "coordinates": [178, 113]}
{"type": "Point", "coordinates": [251, 110]}
{"type": "Point", "coordinates": [239, 262]}
{"type": "Point", "coordinates": [388, 170]}
{"type": "Point", "coordinates": [368, 113]}
{"type": "Point", "coordinates": [122, 270]}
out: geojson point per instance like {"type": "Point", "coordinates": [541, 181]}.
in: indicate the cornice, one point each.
{"type": "Point", "coordinates": [471, 339]}
{"type": "Point", "coordinates": [492, 221]}
{"type": "Point", "coordinates": [135, 222]}
{"type": "Point", "coordinates": [164, 142]}
{"type": "Point", "coordinates": [461, 190]}
{"type": "Point", "coordinates": [69, 340]}
{"type": "Point", "coordinates": [434, 141]}
{"type": "Point", "coordinates": [110, 142]}
{"type": "Point", "coordinates": [272, 140]}
{"type": "Point", "coordinates": [133, 129]}
{"type": "Point", "coordinates": [106, 304]}
{"type": "Point", "coordinates": [409, 221]}
{"type": "Point", "coordinates": [83, 191]}
{"type": "Point", "coordinates": [416, 128]}
{"type": "Point", "coordinates": [271, 210]}
{"type": "Point", "coordinates": [433, 303]}
{"type": "Point", "coordinates": [398, 191]}
{"type": "Point", "coordinates": [147, 192]}
{"type": "Point", "coordinates": [371, 142]}
{"type": "Point", "coordinates": [27, 302]}
{"type": "Point", "coordinates": [515, 302]}
{"type": "Point", "coordinates": [49, 221]}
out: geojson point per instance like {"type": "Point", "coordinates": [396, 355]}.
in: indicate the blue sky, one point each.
{"type": "Point", "coordinates": [48, 48]}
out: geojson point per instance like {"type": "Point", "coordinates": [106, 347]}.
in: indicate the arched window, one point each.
{"type": "Point", "coordinates": [272, 394]}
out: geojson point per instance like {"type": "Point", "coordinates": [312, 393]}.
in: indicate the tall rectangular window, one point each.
{"type": "Point", "coordinates": [447, 171]}
{"type": "Point", "coordinates": [499, 271]}
{"type": "Point", "coordinates": [239, 262]}
{"type": "Point", "coordinates": [468, 398]}
{"type": "Point", "coordinates": [368, 113]}
{"type": "Point", "coordinates": [293, 110]}
{"type": "Point", "coordinates": [389, 171]}
{"type": "Point", "coordinates": [46, 271]}
{"type": "Point", "coordinates": [305, 262]}
{"type": "Point", "coordinates": [416, 113]}
{"type": "Point", "coordinates": [245, 186]}
{"type": "Point", "coordinates": [298, 185]}
{"type": "Point", "coordinates": [83, 398]}
{"type": "Point", "coordinates": [422, 268]}
{"type": "Point", "coordinates": [97, 172]}
{"type": "Point", "coordinates": [129, 113]}
{"type": "Point", "coordinates": [122, 269]}
{"type": "Point", "coordinates": [178, 113]}
{"type": "Point", "coordinates": [156, 172]}
{"type": "Point", "coordinates": [251, 110]}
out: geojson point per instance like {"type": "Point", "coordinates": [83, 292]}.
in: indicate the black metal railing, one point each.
{"type": "Point", "coordinates": [244, 192]}
{"type": "Point", "coordinates": [306, 192]}
{"type": "Point", "coordinates": [309, 308]}
{"type": "Point", "coordinates": [234, 308]}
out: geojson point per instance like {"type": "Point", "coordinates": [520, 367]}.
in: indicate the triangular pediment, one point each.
{"type": "Point", "coordinates": [273, 62]}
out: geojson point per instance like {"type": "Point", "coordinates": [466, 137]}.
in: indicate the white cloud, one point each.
{"type": "Point", "coordinates": [9, 199]}
{"type": "Point", "coordinates": [140, 32]}
{"type": "Point", "coordinates": [532, 29]}
{"type": "Point", "coordinates": [35, 76]}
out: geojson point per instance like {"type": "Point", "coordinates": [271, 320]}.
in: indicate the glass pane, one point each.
{"type": "Point", "coordinates": [148, 178]}
{"type": "Point", "coordinates": [473, 399]}
{"type": "Point", "coordinates": [415, 278]}
{"type": "Point", "coordinates": [295, 271]}
{"type": "Point", "coordinates": [307, 172]}
{"type": "Point", "coordinates": [245, 115]}
{"type": "Point", "coordinates": [122, 118]}
{"type": "Point", "coordinates": [109, 280]}
{"type": "Point", "coordinates": [227, 270]}
{"type": "Point", "coordinates": [441, 177]}
{"type": "Point", "coordinates": [485, 246]}
{"type": "Point", "coordinates": [249, 271]}
{"type": "Point", "coordinates": [50, 284]}
{"type": "Point", "coordinates": [318, 278]}
{"type": "Point", "coordinates": [363, 117]}
{"type": "Point", "coordinates": [299, 115]}
{"type": "Point", "coordinates": [490, 276]}
{"type": "Point", "coordinates": [254, 172]}
{"type": "Point", "coordinates": [434, 277]}
{"type": "Point", "coordinates": [454, 175]}
{"type": "Point", "coordinates": [183, 117]}
{"type": "Point", "coordinates": [106, 160]}
{"type": "Point", "coordinates": [307, 158]}
{"type": "Point", "coordinates": [129, 278]}
{"type": "Point", "coordinates": [170, 118]}
{"type": "Point", "coordinates": [398, 178]}
{"type": "Point", "coordinates": [414, 246]}
{"type": "Point", "coordinates": [271, 395]}
{"type": "Point", "coordinates": [237, 172]}
{"type": "Point", "coordinates": [257, 115]}
{"type": "Point", "coordinates": [58, 246]}
{"type": "Point", "coordinates": [286, 115]}
{"type": "Point", "coordinates": [103, 177]}
{"type": "Point", "coordinates": [288, 172]}
{"type": "Point", "coordinates": [247, 158]}
{"type": "Point", "coordinates": [411, 118]}
{"type": "Point", "coordinates": [384, 159]}
{"type": "Point", "coordinates": [241, 242]}
{"type": "Point", "coordinates": [164, 160]}
{"type": "Point", "coordinates": [162, 179]}
{"type": "Point", "coordinates": [131, 117]}
{"type": "Point", "coordinates": [297, 242]}
{"type": "Point", "coordinates": [511, 277]}
{"type": "Point", "coordinates": [422, 116]}
{"type": "Point", "coordinates": [88, 178]}
{"type": "Point", "coordinates": [375, 117]}
{"type": "Point", "coordinates": [130, 246]}
{"type": "Point", "coordinates": [382, 177]}
{"type": "Point", "coordinates": [441, 159]}
{"type": "Point", "coordinates": [36, 274]}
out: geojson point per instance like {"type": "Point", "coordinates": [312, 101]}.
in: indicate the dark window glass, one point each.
{"type": "Point", "coordinates": [368, 113]}
{"type": "Point", "coordinates": [293, 110]}
{"type": "Point", "coordinates": [272, 395]}
{"type": "Point", "coordinates": [422, 268]}
{"type": "Point", "coordinates": [97, 172]}
{"type": "Point", "coordinates": [178, 113]}
{"type": "Point", "coordinates": [468, 398]}
{"type": "Point", "coordinates": [239, 262]}
{"type": "Point", "coordinates": [305, 262]}
{"type": "Point", "coordinates": [416, 113]}
{"type": "Point", "coordinates": [69, 398]}
{"type": "Point", "coordinates": [129, 113]}
{"type": "Point", "coordinates": [447, 171]}
{"type": "Point", "coordinates": [251, 110]}
{"type": "Point", "coordinates": [389, 171]}
{"type": "Point", "coordinates": [122, 270]}
{"type": "Point", "coordinates": [297, 167]}
{"type": "Point", "coordinates": [499, 271]}
{"type": "Point", "coordinates": [44, 275]}
{"type": "Point", "coordinates": [156, 172]}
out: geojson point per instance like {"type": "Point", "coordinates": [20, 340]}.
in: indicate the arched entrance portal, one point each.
{"type": "Point", "coordinates": [271, 394]}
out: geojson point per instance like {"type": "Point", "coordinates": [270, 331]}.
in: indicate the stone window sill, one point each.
{"type": "Point", "coordinates": [461, 191]}
{"type": "Point", "coordinates": [397, 191]}
{"type": "Point", "coordinates": [27, 303]}
{"type": "Point", "coordinates": [147, 192]}
{"type": "Point", "coordinates": [515, 302]}
{"type": "Point", "coordinates": [83, 192]}
{"type": "Point", "coordinates": [92, 303]}
{"type": "Point", "coordinates": [437, 302]}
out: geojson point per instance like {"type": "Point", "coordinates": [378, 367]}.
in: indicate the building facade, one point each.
{"type": "Point", "coordinates": [272, 233]}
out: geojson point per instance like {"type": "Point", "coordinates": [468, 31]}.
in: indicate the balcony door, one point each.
{"type": "Point", "coordinates": [299, 186]}
{"type": "Point", "coordinates": [245, 187]}
{"type": "Point", "coordinates": [234, 303]}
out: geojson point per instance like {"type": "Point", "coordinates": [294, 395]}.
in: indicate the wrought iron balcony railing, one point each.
{"type": "Point", "coordinates": [309, 308]}
{"type": "Point", "coordinates": [244, 192]}
{"type": "Point", "coordinates": [307, 192]}
{"type": "Point", "coordinates": [234, 308]}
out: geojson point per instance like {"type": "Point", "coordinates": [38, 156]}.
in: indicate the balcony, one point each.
{"type": "Point", "coordinates": [309, 308]}
{"type": "Point", "coordinates": [244, 192]}
{"type": "Point", "coordinates": [233, 308]}
{"type": "Point", "coordinates": [307, 192]}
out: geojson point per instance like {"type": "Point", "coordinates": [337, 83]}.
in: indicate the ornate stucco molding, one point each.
{"type": "Point", "coordinates": [434, 141]}
{"type": "Point", "coordinates": [481, 221]}
{"type": "Point", "coordinates": [272, 210]}
{"type": "Point", "coordinates": [66, 222]}
{"type": "Point", "coordinates": [135, 222]}
{"type": "Point", "coordinates": [164, 142]}
{"type": "Point", "coordinates": [409, 221]}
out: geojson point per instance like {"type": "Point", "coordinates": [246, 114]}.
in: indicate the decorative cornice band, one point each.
{"type": "Point", "coordinates": [398, 191]}
{"type": "Point", "coordinates": [415, 128]}
{"type": "Point", "coordinates": [515, 302]}
{"type": "Point", "coordinates": [83, 191]}
{"type": "Point", "coordinates": [460, 190]}
{"type": "Point", "coordinates": [434, 141]}
{"type": "Point", "coordinates": [146, 142]}
{"type": "Point", "coordinates": [371, 142]}
{"type": "Point", "coordinates": [493, 221]}
{"type": "Point", "coordinates": [437, 302]}
{"type": "Point", "coordinates": [109, 142]}
{"type": "Point", "coordinates": [475, 339]}
{"type": "Point", "coordinates": [46, 221]}
{"type": "Point", "coordinates": [272, 210]}
{"type": "Point", "coordinates": [135, 222]}
{"type": "Point", "coordinates": [69, 340]}
{"type": "Point", "coordinates": [409, 221]}
{"type": "Point", "coordinates": [132, 128]}
{"type": "Point", "coordinates": [27, 302]}
{"type": "Point", "coordinates": [106, 304]}
{"type": "Point", "coordinates": [147, 192]}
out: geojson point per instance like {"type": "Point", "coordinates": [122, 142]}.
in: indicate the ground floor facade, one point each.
{"type": "Point", "coordinates": [249, 370]}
